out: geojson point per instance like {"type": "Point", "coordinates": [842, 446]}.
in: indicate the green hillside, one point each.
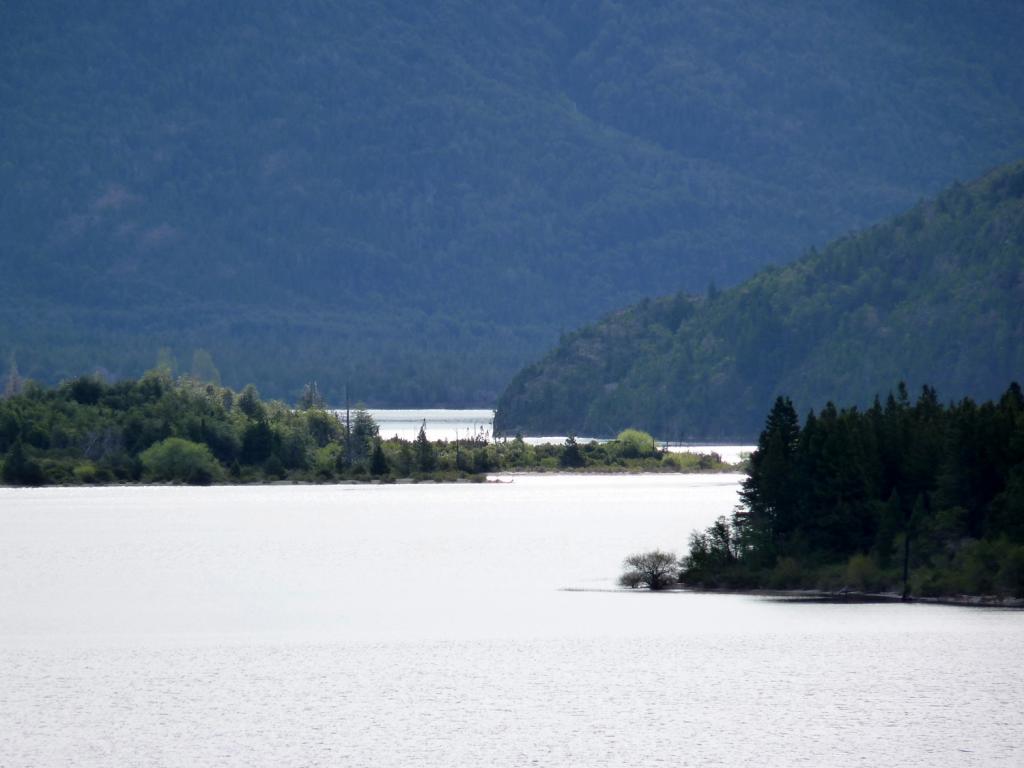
{"type": "Point", "coordinates": [931, 296]}
{"type": "Point", "coordinates": [416, 198]}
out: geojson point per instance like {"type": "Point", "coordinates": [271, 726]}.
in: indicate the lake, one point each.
{"type": "Point", "coordinates": [439, 423]}
{"type": "Point", "coordinates": [457, 625]}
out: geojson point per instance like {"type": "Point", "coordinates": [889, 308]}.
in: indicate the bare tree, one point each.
{"type": "Point", "coordinates": [13, 383]}
{"type": "Point", "coordinates": [311, 397]}
{"type": "Point", "coordinates": [656, 570]}
{"type": "Point", "coordinates": [97, 444]}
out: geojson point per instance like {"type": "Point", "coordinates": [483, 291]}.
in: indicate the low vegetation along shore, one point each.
{"type": "Point", "coordinates": [914, 500]}
{"type": "Point", "coordinates": [159, 429]}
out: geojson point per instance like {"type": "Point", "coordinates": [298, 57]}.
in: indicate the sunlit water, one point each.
{"type": "Point", "coordinates": [438, 423]}
{"type": "Point", "coordinates": [430, 625]}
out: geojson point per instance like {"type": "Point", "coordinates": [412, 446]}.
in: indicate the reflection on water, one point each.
{"type": "Point", "coordinates": [428, 625]}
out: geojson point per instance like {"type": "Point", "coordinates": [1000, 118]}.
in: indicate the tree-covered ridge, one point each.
{"type": "Point", "coordinates": [166, 430]}
{"type": "Point", "coordinates": [933, 295]}
{"type": "Point", "coordinates": [399, 194]}
{"type": "Point", "coordinates": [920, 499]}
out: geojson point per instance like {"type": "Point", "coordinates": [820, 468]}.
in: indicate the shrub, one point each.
{"type": "Point", "coordinates": [630, 579]}
{"type": "Point", "coordinates": [864, 575]}
{"type": "Point", "coordinates": [656, 569]}
{"type": "Point", "coordinates": [325, 460]}
{"type": "Point", "coordinates": [787, 574]}
{"type": "Point", "coordinates": [709, 460]}
{"type": "Point", "coordinates": [928, 582]}
{"type": "Point", "coordinates": [180, 461]}
{"type": "Point", "coordinates": [85, 472]}
{"type": "Point", "coordinates": [682, 462]}
{"type": "Point", "coordinates": [634, 444]}
{"type": "Point", "coordinates": [1010, 579]}
{"type": "Point", "coordinates": [274, 467]}
{"type": "Point", "coordinates": [976, 565]}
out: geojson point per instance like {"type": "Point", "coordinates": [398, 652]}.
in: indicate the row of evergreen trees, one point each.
{"type": "Point", "coordinates": [921, 498]}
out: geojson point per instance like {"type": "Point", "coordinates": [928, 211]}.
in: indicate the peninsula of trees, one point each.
{"type": "Point", "coordinates": [159, 429]}
{"type": "Point", "coordinates": [919, 499]}
{"type": "Point", "coordinates": [932, 296]}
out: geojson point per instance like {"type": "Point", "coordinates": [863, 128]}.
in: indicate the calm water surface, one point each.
{"type": "Point", "coordinates": [430, 625]}
{"type": "Point", "coordinates": [440, 423]}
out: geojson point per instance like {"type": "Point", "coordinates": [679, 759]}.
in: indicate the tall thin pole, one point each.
{"type": "Point", "coordinates": [906, 564]}
{"type": "Point", "coordinates": [348, 429]}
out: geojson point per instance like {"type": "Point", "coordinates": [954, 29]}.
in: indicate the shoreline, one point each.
{"type": "Point", "coordinates": [857, 596]}
{"type": "Point", "coordinates": [502, 476]}
{"type": "Point", "coordinates": [824, 596]}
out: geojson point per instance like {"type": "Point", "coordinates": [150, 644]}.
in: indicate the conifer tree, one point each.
{"type": "Point", "coordinates": [378, 461]}
{"type": "Point", "coordinates": [426, 457]}
{"type": "Point", "coordinates": [19, 469]}
{"type": "Point", "coordinates": [769, 492]}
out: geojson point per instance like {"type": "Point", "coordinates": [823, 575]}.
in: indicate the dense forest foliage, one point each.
{"type": "Point", "coordinates": [165, 430]}
{"type": "Point", "coordinates": [415, 198]}
{"type": "Point", "coordinates": [933, 295]}
{"type": "Point", "coordinates": [921, 498]}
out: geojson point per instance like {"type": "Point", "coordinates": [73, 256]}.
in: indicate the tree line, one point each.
{"type": "Point", "coordinates": [919, 498]}
{"type": "Point", "coordinates": [181, 430]}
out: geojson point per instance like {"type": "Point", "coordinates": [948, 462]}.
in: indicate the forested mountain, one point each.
{"type": "Point", "coordinates": [931, 296]}
{"type": "Point", "coordinates": [416, 197]}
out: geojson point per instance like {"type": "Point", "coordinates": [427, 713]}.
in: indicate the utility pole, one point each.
{"type": "Point", "coordinates": [348, 429]}
{"type": "Point", "coordinates": [910, 525]}
{"type": "Point", "coordinates": [906, 562]}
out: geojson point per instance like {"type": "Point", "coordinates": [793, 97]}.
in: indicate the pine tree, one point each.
{"type": "Point", "coordinates": [426, 458]}
{"type": "Point", "coordinates": [378, 461]}
{"type": "Point", "coordinates": [769, 493]}
{"type": "Point", "coordinates": [250, 404]}
{"type": "Point", "coordinates": [19, 469]}
{"type": "Point", "coordinates": [364, 433]}
{"type": "Point", "coordinates": [571, 456]}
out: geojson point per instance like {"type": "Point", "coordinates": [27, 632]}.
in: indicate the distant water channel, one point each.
{"type": "Point", "coordinates": [462, 424]}
{"type": "Point", "coordinates": [440, 423]}
{"type": "Point", "coordinates": [457, 625]}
